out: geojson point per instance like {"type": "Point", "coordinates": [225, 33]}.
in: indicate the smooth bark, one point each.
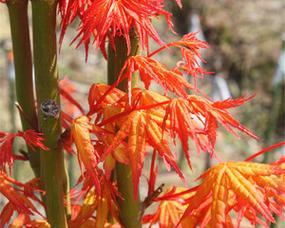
{"type": "Point", "coordinates": [46, 77]}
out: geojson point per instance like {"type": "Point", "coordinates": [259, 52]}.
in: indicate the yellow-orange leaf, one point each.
{"type": "Point", "coordinates": [142, 128]}
{"type": "Point", "coordinates": [152, 70]}
{"type": "Point", "coordinates": [101, 95]}
{"type": "Point", "coordinates": [104, 205]}
{"type": "Point", "coordinates": [80, 131]}
{"type": "Point", "coordinates": [39, 224]}
{"type": "Point", "coordinates": [247, 188]}
{"type": "Point", "coordinates": [169, 212]}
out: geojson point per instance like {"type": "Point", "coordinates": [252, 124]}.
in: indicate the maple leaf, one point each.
{"type": "Point", "coordinates": [106, 101]}
{"type": "Point", "coordinates": [247, 188]}
{"type": "Point", "coordinates": [108, 18]}
{"type": "Point", "coordinates": [169, 212]}
{"type": "Point", "coordinates": [142, 128]}
{"type": "Point", "coordinates": [183, 122]}
{"type": "Point", "coordinates": [113, 119]}
{"type": "Point", "coordinates": [69, 10]}
{"type": "Point", "coordinates": [80, 131]}
{"type": "Point", "coordinates": [100, 96]}
{"type": "Point", "coordinates": [17, 200]}
{"type": "Point", "coordinates": [102, 204]}
{"type": "Point", "coordinates": [190, 48]}
{"type": "Point", "coordinates": [32, 138]}
{"type": "Point", "coordinates": [131, 121]}
{"type": "Point", "coordinates": [150, 69]}
{"type": "Point", "coordinates": [197, 118]}
{"type": "Point", "coordinates": [218, 111]}
{"type": "Point", "coordinates": [144, 98]}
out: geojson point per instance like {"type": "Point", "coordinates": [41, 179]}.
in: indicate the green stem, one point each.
{"type": "Point", "coordinates": [272, 125]}
{"type": "Point", "coordinates": [46, 76]}
{"type": "Point", "coordinates": [23, 69]}
{"type": "Point", "coordinates": [130, 208]}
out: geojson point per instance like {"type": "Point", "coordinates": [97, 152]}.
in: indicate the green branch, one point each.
{"type": "Point", "coordinates": [23, 69]}
{"type": "Point", "coordinates": [129, 207]}
{"type": "Point", "coordinates": [46, 76]}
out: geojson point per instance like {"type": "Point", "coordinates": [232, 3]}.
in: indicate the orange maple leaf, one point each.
{"type": "Point", "coordinates": [169, 212]}
{"type": "Point", "coordinates": [142, 128]}
{"type": "Point", "coordinates": [80, 131]}
{"type": "Point", "coordinates": [243, 187]}
{"type": "Point", "coordinates": [104, 205]}
{"type": "Point", "coordinates": [101, 95]}
{"type": "Point", "coordinates": [17, 200]}
{"type": "Point", "coordinates": [150, 69]}
{"type": "Point", "coordinates": [106, 101]}
{"type": "Point", "coordinates": [218, 110]}
{"type": "Point", "coordinates": [197, 117]}
{"type": "Point", "coordinates": [190, 48]}
{"type": "Point", "coordinates": [184, 122]}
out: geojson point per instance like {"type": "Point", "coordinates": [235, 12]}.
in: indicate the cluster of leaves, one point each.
{"type": "Point", "coordinates": [242, 188]}
{"type": "Point", "coordinates": [125, 131]}
{"type": "Point", "coordinates": [105, 19]}
{"type": "Point", "coordinates": [33, 140]}
{"type": "Point", "coordinates": [127, 126]}
{"type": "Point", "coordinates": [20, 199]}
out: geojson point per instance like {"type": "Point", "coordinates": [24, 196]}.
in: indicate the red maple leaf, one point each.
{"type": "Point", "coordinates": [32, 138]}
{"type": "Point", "coordinates": [152, 70]}
{"type": "Point", "coordinates": [197, 117]}
{"type": "Point", "coordinates": [19, 202]}
{"type": "Point", "coordinates": [104, 19]}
